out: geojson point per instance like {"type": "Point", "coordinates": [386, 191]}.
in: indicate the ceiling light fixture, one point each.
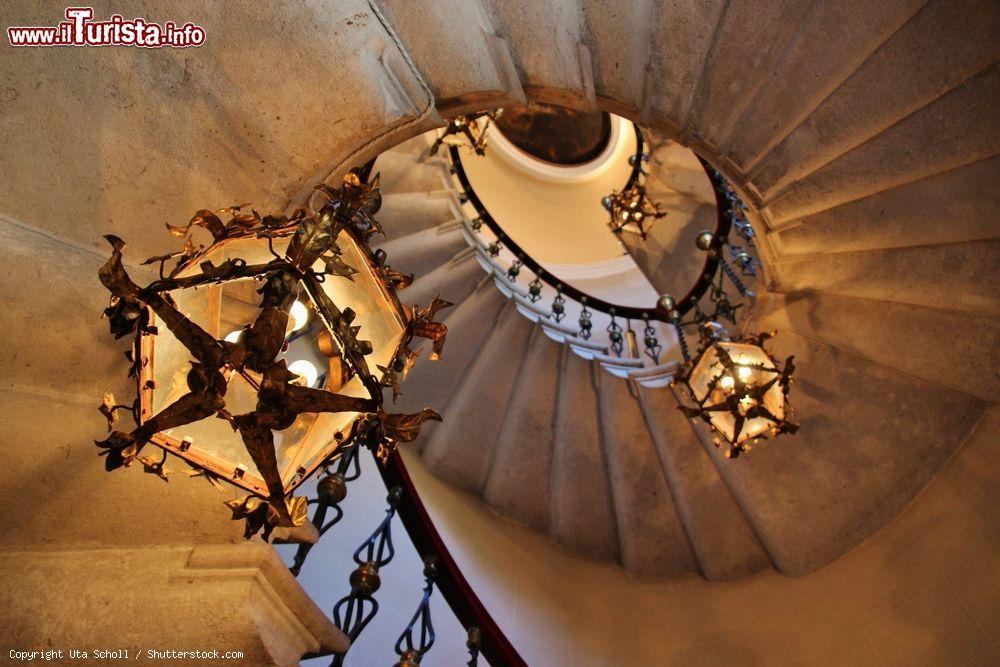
{"type": "Point", "coordinates": [631, 210]}
{"type": "Point", "coordinates": [211, 337]}
{"type": "Point", "coordinates": [469, 131]}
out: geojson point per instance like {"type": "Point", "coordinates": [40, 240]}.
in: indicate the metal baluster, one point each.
{"type": "Point", "coordinates": [585, 321]}
{"type": "Point", "coordinates": [743, 260]}
{"type": "Point", "coordinates": [650, 341]}
{"type": "Point", "coordinates": [745, 230]}
{"type": "Point", "coordinates": [615, 334]}
{"type": "Point", "coordinates": [733, 278]}
{"type": "Point", "coordinates": [474, 643]}
{"type": "Point", "coordinates": [356, 609]}
{"type": "Point", "coordinates": [558, 305]}
{"type": "Point", "coordinates": [535, 290]}
{"type": "Point", "coordinates": [633, 345]}
{"type": "Point", "coordinates": [331, 491]}
{"type": "Point", "coordinates": [681, 340]}
{"type": "Point", "coordinates": [410, 655]}
{"type": "Point", "coordinates": [514, 270]}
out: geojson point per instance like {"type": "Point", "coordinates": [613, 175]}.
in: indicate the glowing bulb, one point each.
{"type": "Point", "coordinates": [726, 382]}
{"type": "Point", "coordinates": [233, 336]}
{"type": "Point", "coordinates": [744, 373]}
{"type": "Point", "coordinates": [305, 370]}
{"type": "Point", "coordinates": [299, 314]}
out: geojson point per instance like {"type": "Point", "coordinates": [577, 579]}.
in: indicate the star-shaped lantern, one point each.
{"type": "Point", "coordinates": [631, 210]}
{"type": "Point", "coordinates": [740, 390]}
{"type": "Point", "coordinates": [262, 355]}
{"type": "Point", "coordinates": [471, 128]}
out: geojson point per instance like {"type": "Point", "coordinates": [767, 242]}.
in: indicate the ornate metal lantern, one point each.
{"type": "Point", "coordinates": [739, 389]}
{"type": "Point", "coordinates": [229, 378]}
{"type": "Point", "coordinates": [470, 127]}
{"type": "Point", "coordinates": [631, 210]}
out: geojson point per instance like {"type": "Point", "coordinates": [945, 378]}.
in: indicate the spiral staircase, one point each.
{"type": "Point", "coordinates": [864, 138]}
{"type": "Point", "coordinates": [539, 430]}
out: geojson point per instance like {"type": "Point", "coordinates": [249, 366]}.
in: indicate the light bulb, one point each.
{"type": "Point", "coordinates": [726, 382]}
{"type": "Point", "coordinates": [299, 314]}
{"type": "Point", "coordinates": [305, 370]}
{"type": "Point", "coordinates": [744, 373]}
{"type": "Point", "coordinates": [233, 336]}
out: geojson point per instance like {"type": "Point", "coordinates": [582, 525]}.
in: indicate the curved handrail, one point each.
{"type": "Point", "coordinates": [655, 312]}
{"type": "Point", "coordinates": [457, 591]}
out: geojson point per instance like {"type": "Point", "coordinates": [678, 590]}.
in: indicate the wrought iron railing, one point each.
{"type": "Point", "coordinates": [717, 274]}
{"type": "Point", "coordinates": [356, 609]}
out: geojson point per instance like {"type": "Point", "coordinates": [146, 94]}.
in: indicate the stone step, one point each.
{"type": "Point", "coordinates": [962, 122]}
{"type": "Point", "coordinates": [957, 205]}
{"type": "Point", "coordinates": [721, 537]}
{"type": "Point", "coordinates": [650, 534]}
{"type": "Point", "coordinates": [946, 47]}
{"type": "Point", "coordinates": [749, 39]}
{"type": "Point", "coordinates": [407, 213]}
{"type": "Point", "coordinates": [832, 41]}
{"type": "Point", "coordinates": [403, 173]}
{"type": "Point", "coordinates": [936, 350]}
{"type": "Point", "coordinates": [423, 251]}
{"type": "Point", "coordinates": [619, 74]}
{"type": "Point", "coordinates": [454, 281]}
{"type": "Point", "coordinates": [432, 383]}
{"type": "Point", "coordinates": [466, 65]}
{"type": "Point", "coordinates": [579, 467]}
{"type": "Point", "coordinates": [460, 450]}
{"type": "Point", "coordinates": [552, 62]}
{"type": "Point", "coordinates": [517, 483]}
{"type": "Point", "coordinates": [939, 276]}
{"type": "Point", "coordinates": [870, 439]}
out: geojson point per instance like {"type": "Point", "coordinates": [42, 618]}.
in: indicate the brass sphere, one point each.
{"type": "Point", "coordinates": [365, 579]}
{"type": "Point", "coordinates": [704, 240]}
{"type": "Point", "coordinates": [408, 659]}
{"type": "Point", "coordinates": [332, 489]}
{"type": "Point", "coordinates": [666, 302]}
{"type": "Point", "coordinates": [606, 202]}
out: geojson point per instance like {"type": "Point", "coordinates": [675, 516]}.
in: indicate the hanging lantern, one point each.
{"type": "Point", "coordinates": [631, 211]}
{"type": "Point", "coordinates": [740, 390]}
{"type": "Point", "coordinates": [229, 378]}
{"type": "Point", "coordinates": [471, 128]}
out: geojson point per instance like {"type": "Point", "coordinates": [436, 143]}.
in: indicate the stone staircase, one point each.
{"type": "Point", "coordinates": [540, 431]}
{"type": "Point", "coordinates": [605, 464]}
{"type": "Point", "coordinates": [863, 135]}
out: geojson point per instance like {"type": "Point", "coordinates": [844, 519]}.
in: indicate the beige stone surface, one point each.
{"type": "Point", "coordinates": [831, 42]}
{"type": "Point", "coordinates": [864, 102]}
{"type": "Point", "coordinates": [962, 122]}
{"type": "Point", "coordinates": [962, 356]}
{"type": "Point", "coordinates": [122, 140]}
{"type": "Point", "coordinates": [231, 598]}
{"type": "Point", "coordinates": [941, 47]}
{"type": "Point", "coordinates": [920, 592]}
